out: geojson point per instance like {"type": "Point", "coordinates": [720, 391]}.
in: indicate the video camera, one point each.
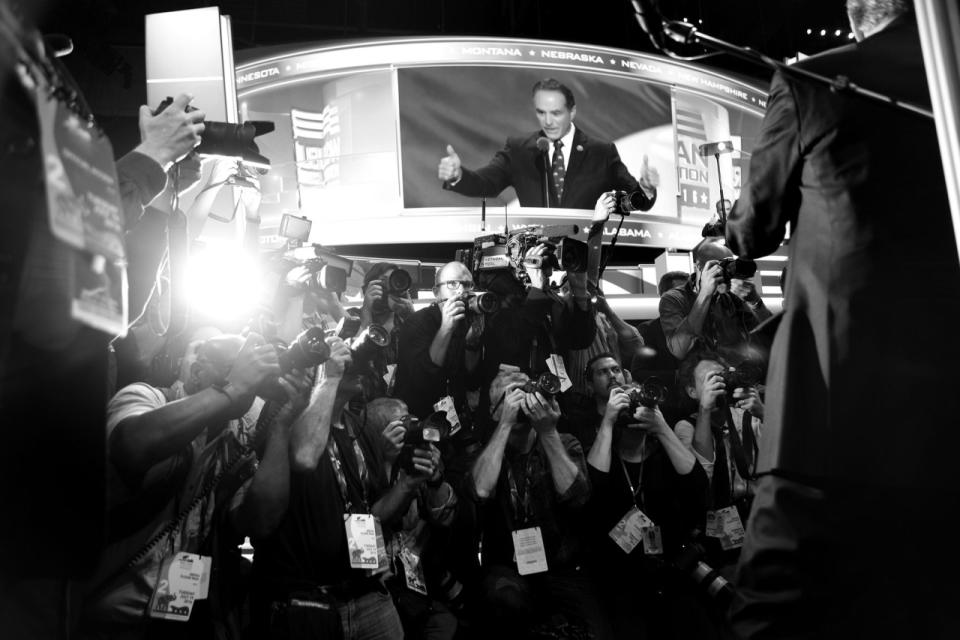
{"type": "Point", "coordinates": [315, 274]}
{"type": "Point", "coordinates": [433, 429]}
{"type": "Point", "coordinates": [228, 139]}
{"type": "Point", "coordinates": [498, 253]}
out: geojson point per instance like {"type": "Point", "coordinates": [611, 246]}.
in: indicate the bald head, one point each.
{"type": "Point", "coordinates": [448, 280]}
{"type": "Point", "coordinates": [708, 250]}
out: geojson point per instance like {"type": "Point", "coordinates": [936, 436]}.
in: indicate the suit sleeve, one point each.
{"type": "Point", "coordinates": [622, 180]}
{"type": "Point", "coordinates": [757, 223]}
{"type": "Point", "coordinates": [487, 181]}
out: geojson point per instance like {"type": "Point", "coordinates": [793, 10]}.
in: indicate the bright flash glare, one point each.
{"type": "Point", "coordinates": [223, 282]}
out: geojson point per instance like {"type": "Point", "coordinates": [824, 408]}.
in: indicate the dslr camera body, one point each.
{"type": "Point", "coordinates": [309, 349]}
{"type": "Point", "coordinates": [434, 429]}
{"type": "Point", "coordinates": [651, 394]}
{"type": "Point", "coordinates": [737, 268]}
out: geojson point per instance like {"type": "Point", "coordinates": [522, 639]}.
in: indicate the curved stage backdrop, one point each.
{"type": "Point", "coordinates": [361, 127]}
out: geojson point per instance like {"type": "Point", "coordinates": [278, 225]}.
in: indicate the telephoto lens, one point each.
{"type": "Point", "coordinates": [309, 349]}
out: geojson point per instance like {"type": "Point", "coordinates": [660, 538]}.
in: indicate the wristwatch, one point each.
{"type": "Point", "coordinates": [226, 389]}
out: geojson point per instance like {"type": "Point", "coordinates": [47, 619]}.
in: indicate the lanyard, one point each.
{"type": "Point", "coordinates": [522, 510]}
{"type": "Point", "coordinates": [334, 452]}
{"type": "Point", "coordinates": [635, 493]}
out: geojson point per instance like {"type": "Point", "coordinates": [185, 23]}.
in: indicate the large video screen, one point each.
{"type": "Point", "coordinates": [361, 129]}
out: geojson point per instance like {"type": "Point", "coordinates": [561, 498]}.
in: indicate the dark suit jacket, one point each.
{"type": "Point", "coordinates": [852, 396]}
{"type": "Point", "coordinates": [594, 167]}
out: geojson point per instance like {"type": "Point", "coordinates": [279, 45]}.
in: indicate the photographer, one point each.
{"type": "Point", "coordinates": [419, 542]}
{"type": "Point", "coordinates": [712, 311]}
{"type": "Point", "coordinates": [535, 322]}
{"type": "Point", "coordinates": [172, 454]}
{"type": "Point", "coordinates": [440, 345]}
{"type": "Point", "coordinates": [638, 465]}
{"type": "Point", "coordinates": [320, 536]}
{"type": "Point", "coordinates": [386, 303]}
{"type": "Point", "coordinates": [724, 433]}
{"type": "Point", "coordinates": [532, 485]}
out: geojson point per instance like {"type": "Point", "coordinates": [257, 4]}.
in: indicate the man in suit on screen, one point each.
{"type": "Point", "coordinates": [577, 169]}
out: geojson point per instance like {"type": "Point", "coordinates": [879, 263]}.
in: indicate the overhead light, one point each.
{"type": "Point", "coordinates": [809, 31]}
{"type": "Point", "coordinates": [823, 32]}
{"type": "Point", "coordinates": [838, 32]}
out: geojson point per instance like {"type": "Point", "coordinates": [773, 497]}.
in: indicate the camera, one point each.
{"type": "Point", "coordinates": [228, 139]}
{"type": "Point", "coordinates": [433, 429]}
{"type": "Point", "coordinates": [398, 284]}
{"type": "Point", "coordinates": [627, 202]}
{"type": "Point", "coordinates": [690, 561]}
{"type": "Point", "coordinates": [737, 268]}
{"type": "Point", "coordinates": [484, 302]}
{"type": "Point", "coordinates": [650, 394]}
{"type": "Point", "coordinates": [547, 384]}
{"type": "Point", "coordinates": [746, 375]}
{"type": "Point", "coordinates": [563, 253]}
{"type": "Point", "coordinates": [308, 349]}
{"type": "Point", "coordinates": [364, 344]}
{"type": "Point", "coordinates": [315, 274]}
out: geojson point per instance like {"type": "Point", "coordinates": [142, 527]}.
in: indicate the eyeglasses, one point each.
{"type": "Point", "coordinates": [456, 284]}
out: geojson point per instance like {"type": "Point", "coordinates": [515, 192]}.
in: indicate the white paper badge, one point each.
{"type": "Point", "coordinates": [446, 404]}
{"type": "Point", "coordinates": [205, 578]}
{"type": "Point", "coordinates": [529, 551]}
{"type": "Point", "coordinates": [726, 526]}
{"type": "Point", "coordinates": [558, 368]}
{"type": "Point", "coordinates": [629, 531]}
{"type": "Point", "coordinates": [177, 588]}
{"type": "Point", "coordinates": [413, 571]}
{"type": "Point", "coordinates": [362, 540]}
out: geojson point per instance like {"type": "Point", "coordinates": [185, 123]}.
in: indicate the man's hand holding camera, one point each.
{"type": "Point", "coordinates": [256, 362]}
{"type": "Point", "coordinates": [512, 405]}
{"type": "Point", "coordinates": [452, 313]}
{"type": "Point", "coordinates": [711, 277]}
{"type": "Point", "coordinates": [172, 133]}
{"type": "Point", "coordinates": [544, 413]}
{"type": "Point", "coordinates": [616, 403]}
{"type": "Point", "coordinates": [650, 420]}
{"type": "Point", "coordinates": [714, 388]}
{"type": "Point", "coordinates": [426, 467]}
{"type": "Point", "coordinates": [340, 358]}
{"type": "Point", "coordinates": [537, 269]}
{"type": "Point", "coordinates": [297, 385]}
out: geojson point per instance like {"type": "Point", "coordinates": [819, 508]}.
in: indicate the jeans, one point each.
{"type": "Point", "coordinates": [370, 617]}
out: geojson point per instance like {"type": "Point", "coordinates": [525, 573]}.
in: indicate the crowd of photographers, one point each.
{"type": "Point", "coordinates": [513, 461]}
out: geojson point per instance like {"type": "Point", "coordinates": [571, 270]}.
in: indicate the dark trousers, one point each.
{"type": "Point", "coordinates": [514, 603]}
{"type": "Point", "coordinates": [848, 562]}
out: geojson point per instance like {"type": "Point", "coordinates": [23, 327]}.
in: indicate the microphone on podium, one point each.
{"type": "Point", "coordinates": [543, 145]}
